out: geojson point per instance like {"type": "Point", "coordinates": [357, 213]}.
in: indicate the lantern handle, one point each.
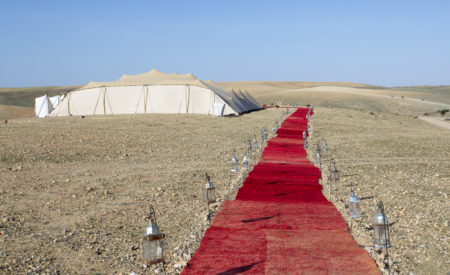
{"type": "Point", "coordinates": [152, 215]}
{"type": "Point", "coordinates": [381, 207]}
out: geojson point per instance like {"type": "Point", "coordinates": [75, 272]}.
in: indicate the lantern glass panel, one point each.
{"type": "Point", "coordinates": [354, 209]}
{"type": "Point", "coordinates": [234, 163]}
{"type": "Point", "coordinates": [210, 194]}
{"type": "Point", "coordinates": [318, 158]}
{"type": "Point", "coordinates": [255, 143]}
{"type": "Point", "coordinates": [153, 250]}
{"type": "Point", "coordinates": [381, 234]}
{"type": "Point", "coordinates": [381, 228]}
{"type": "Point", "coordinates": [245, 163]}
{"type": "Point", "coordinates": [325, 146]}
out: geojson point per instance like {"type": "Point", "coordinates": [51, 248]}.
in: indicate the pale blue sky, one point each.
{"type": "Point", "coordinates": [386, 43]}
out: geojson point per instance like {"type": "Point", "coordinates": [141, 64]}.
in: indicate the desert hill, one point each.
{"type": "Point", "coordinates": [414, 100]}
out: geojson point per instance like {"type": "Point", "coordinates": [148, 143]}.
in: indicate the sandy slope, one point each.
{"type": "Point", "coordinates": [436, 121]}
{"type": "Point", "coordinates": [9, 112]}
{"type": "Point", "coordinates": [346, 95]}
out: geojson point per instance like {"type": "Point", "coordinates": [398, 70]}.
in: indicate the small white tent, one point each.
{"type": "Point", "coordinates": [42, 106]}
{"type": "Point", "coordinates": [152, 92]}
{"type": "Point", "coordinates": [55, 100]}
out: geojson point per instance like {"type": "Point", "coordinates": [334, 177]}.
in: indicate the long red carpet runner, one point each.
{"type": "Point", "coordinates": [280, 223]}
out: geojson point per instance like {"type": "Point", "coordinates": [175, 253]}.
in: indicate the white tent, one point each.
{"type": "Point", "coordinates": [153, 92]}
{"type": "Point", "coordinates": [42, 106]}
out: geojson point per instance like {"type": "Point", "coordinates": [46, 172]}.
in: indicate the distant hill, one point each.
{"type": "Point", "coordinates": [25, 96]}
{"type": "Point", "coordinates": [19, 102]}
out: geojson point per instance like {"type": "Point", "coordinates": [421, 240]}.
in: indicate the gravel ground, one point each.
{"type": "Point", "coordinates": [75, 192]}
{"type": "Point", "coordinates": [402, 161]}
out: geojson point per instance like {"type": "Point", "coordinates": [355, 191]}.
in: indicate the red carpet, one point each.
{"type": "Point", "coordinates": [280, 223]}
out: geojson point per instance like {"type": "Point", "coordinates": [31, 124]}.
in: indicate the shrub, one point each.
{"type": "Point", "coordinates": [443, 111]}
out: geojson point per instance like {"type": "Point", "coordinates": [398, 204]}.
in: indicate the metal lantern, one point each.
{"type": "Point", "coordinates": [266, 133]}
{"type": "Point", "coordinates": [287, 111]}
{"type": "Point", "coordinates": [255, 143]}
{"type": "Point", "coordinates": [234, 163]}
{"type": "Point", "coordinates": [249, 145]}
{"type": "Point", "coordinates": [334, 173]}
{"type": "Point", "coordinates": [274, 131]}
{"type": "Point", "coordinates": [261, 137]}
{"type": "Point", "coordinates": [282, 115]}
{"type": "Point", "coordinates": [152, 241]}
{"type": "Point", "coordinates": [381, 228]}
{"type": "Point", "coordinates": [304, 134]}
{"type": "Point", "coordinates": [309, 130]}
{"type": "Point", "coordinates": [354, 209]}
{"type": "Point", "coordinates": [318, 158]}
{"type": "Point", "coordinates": [245, 163]}
{"type": "Point", "coordinates": [305, 144]}
{"type": "Point", "coordinates": [325, 145]}
{"type": "Point", "coordinates": [210, 191]}
{"type": "Point", "coordinates": [276, 124]}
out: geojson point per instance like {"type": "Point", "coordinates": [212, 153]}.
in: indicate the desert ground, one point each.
{"type": "Point", "coordinates": [75, 192]}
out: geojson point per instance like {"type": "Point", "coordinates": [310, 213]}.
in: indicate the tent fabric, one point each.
{"type": "Point", "coordinates": [42, 106]}
{"type": "Point", "coordinates": [280, 222]}
{"type": "Point", "coordinates": [55, 100]}
{"type": "Point", "coordinates": [153, 92]}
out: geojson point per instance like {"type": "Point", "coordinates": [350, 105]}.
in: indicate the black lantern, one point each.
{"type": "Point", "coordinates": [152, 241]}
{"type": "Point", "coordinates": [305, 144]}
{"type": "Point", "coordinates": [304, 134]}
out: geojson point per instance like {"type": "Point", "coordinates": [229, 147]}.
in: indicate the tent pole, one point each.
{"type": "Point", "coordinates": [188, 97]}
{"type": "Point", "coordinates": [145, 99]}
{"type": "Point", "coordinates": [104, 100]}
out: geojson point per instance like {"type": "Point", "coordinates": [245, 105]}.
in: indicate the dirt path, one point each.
{"type": "Point", "coordinates": [371, 92]}
{"type": "Point", "coordinates": [436, 121]}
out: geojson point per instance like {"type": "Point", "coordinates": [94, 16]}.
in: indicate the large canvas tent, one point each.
{"type": "Point", "coordinates": [154, 92]}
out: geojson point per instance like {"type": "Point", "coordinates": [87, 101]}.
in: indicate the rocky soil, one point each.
{"type": "Point", "coordinates": [402, 161]}
{"type": "Point", "coordinates": [75, 192]}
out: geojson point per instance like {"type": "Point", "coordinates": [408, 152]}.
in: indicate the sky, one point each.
{"type": "Point", "coordinates": [387, 43]}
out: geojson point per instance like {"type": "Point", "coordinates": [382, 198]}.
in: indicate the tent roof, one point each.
{"type": "Point", "coordinates": [152, 77]}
